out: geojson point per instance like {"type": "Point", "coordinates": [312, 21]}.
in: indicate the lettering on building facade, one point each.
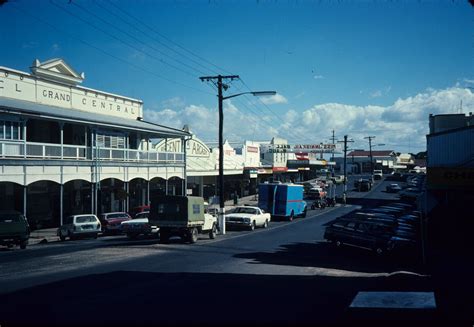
{"type": "Point", "coordinates": [28, 88]}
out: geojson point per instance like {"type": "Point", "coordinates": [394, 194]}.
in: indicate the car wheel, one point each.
{"type": "Point", "coordinates": [338, 244]}
{"type": "Point", "coordinates": [304, 212]}
{"type": "Point", "coordinates": [95, 236]}
{"type": "Point", "coordinates": [252, 226]}
{"type": "Point", "coordinates": [23, 244]}
{"type": "Point", "coordinates": [265, 224]}
{"type": "Point", "coordinates": [164, 236]}
{"type": "Point", "coordinates": [62, 237]}
{"type": "Point", "coordinates": [378, 250]}
{"type": "Point", "coordinates": [213, 232]}
{"type": "Point", "coordinates": [193, 235]}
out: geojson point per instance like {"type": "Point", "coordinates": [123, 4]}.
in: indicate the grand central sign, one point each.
{"type": "Point", "coordinates": [53, 84]}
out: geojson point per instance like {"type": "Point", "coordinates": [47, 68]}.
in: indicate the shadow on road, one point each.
{"type": "Point", "coordinates": [326, 255]}
{"type": "Point", "coordinates": [126, 298]}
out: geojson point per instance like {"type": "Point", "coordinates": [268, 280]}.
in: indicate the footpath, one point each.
{"type": "Point", "coordinates": [48, 235]}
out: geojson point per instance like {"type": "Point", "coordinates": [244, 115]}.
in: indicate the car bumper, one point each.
{"type": "Point", "coordinates": [238, 223]}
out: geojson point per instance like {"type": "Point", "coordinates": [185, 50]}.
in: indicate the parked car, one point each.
{"type": "Point", "coordinates": [14, 229]}
{"type": "Point", "coordinates": [372, 235]}
{"type": "Point", "coordinates": [139, 226]}
{"type": "Point", "coordinates": [112, 221]}
{"type": "Point", "coordinates": [249, 217]}
{"type": "Point", "coordinates": [87, 225]}
{"type": "Point", "coordinates": [393, 188]}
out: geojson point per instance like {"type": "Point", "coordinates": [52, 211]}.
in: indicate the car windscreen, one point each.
{"type": "Point", "coordinates": [85, 219]}
{"type": "Point", "coordinates": [245, 210]}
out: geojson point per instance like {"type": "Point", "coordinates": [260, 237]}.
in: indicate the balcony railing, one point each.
{"type": "Point", "coordinates": [33, 150]}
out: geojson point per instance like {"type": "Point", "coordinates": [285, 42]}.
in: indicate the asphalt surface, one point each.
{"type": "Point", "coordinates": [283, 275]}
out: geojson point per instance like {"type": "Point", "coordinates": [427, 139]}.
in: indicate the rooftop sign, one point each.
{"type": "Point", "coordinates": [53, 83]}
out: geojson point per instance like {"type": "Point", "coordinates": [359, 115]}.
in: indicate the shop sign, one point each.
{"type": "Point", "coordinates": [265, 171]}
{"type": "Point", "coordinates": [450, 178]}
{"type": "Point", "coordinates": [298, 148]}
{"type": "Point", "coordinates": [252, 149]}
{"type": "Point", "coordinates": [280, 169]}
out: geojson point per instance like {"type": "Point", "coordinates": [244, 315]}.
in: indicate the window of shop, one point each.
{"type": "Point", "coordinates": [111, 141]}
{"type": "Point", "coordinates": [10, 130]}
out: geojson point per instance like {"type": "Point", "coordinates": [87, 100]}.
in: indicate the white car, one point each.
{"type": "Point", "coordinates": [139, 225]}
{"type": "Point", "coordinates": [249, 217]}
{"type": "Point", "coordinates": [79, 225]}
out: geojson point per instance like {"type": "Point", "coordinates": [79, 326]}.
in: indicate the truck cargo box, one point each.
{"type": "Point", "coordinates": [176, 211]}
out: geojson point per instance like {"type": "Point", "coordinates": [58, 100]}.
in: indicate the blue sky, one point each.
{"type": "Point", "coordinates": [359, 67]}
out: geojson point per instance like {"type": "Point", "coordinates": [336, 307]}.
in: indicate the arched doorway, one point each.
{"type": "Point", "coordinates": [157, 186]}
{"type": "Point", "coordinates": [111, 196]}
{"type": "Point", "coordinates": [175, 186]}
{"type": "Point", "coordinates": [42, 204]}
{"type": "Point", "coordinates": [77, 198]}
{"type": "Point", "coordinates": [137, 190]}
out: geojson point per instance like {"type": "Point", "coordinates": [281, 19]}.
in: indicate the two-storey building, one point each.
{"type": "Point", "coordinates": [66, 149]}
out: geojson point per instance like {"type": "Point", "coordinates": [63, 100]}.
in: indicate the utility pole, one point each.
{"type": "Point", "coordinates": [344, 195]}
{"type": "Point", "coordinates": [220, 86]}
{"type": "Point", "coordinates": [333, 138]}
{"type": "Point", "coordinates": [221, 98]}
{"type": "Point", "coordinates": [370, 138]}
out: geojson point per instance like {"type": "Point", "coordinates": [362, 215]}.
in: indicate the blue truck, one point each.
{"type": "Point", "coordinates": [282, 200]}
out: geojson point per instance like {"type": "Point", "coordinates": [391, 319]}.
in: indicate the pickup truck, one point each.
{"type": "Point", "coordinates": [249, 217]}
{"type": "Point", "coordinates": [139, 226]}
{"type": "Point", "coordinates": [181, 216]}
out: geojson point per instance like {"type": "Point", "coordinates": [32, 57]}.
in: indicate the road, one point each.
{"type": "Point", "coordinates": [285, 274]}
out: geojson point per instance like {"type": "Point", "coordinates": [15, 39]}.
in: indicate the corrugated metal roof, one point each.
{"type": "Point", "coordinates": [32, 109]}
{"type": "Point", "coordinates": [379, 153]}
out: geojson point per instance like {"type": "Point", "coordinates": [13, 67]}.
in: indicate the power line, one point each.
{"type": "Point", "coordinates": [107, 53]}
{"type": "Point", "coordinates": [147, 34]}
{"type": "Point", "coordinates": [116, 38]}
{"type": "Point", "coordinates": [169, 40]}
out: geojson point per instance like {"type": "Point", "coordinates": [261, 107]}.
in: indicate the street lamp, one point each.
{"type": "Point", "coordinates": [221, 98]}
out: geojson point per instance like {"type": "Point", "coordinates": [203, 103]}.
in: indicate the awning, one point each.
{"type": "Point", "coordinates": [35, 110]}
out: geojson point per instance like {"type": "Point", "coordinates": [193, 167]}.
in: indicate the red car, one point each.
{"type": "Point", "coordinates": [111, 222]}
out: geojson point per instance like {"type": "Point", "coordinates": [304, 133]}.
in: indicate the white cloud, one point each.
{"type": "Point", "coordinates": [274, 99]}
{"type": "Point", "coordinates": [55, 47]}
{"type": "Point", "coordinates": [379, 93]}
{"type": "Point", "coordinates": [318, 77]}
{"type": "Point", "coordinates": [402, 126]}
{"type": "Point", "coordinates": [175, 102]}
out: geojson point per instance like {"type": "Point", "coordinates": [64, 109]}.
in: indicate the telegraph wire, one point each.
{"type": "Point", "coordinates": [169, 40]}
{"type": "Point", "coordinates": [118, 39]}
{"type": "Point", "coordinates": [136, 39]}
{"type": "Point", "coordinates": [109, 54]}
{"type": "Point", "coordinates": [150, 37]}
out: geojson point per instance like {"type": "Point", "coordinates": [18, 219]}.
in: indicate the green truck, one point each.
{"type": "Point", "coordinates": [182, 216]}
{"type": "Point", "coordinates": [14, 229]}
